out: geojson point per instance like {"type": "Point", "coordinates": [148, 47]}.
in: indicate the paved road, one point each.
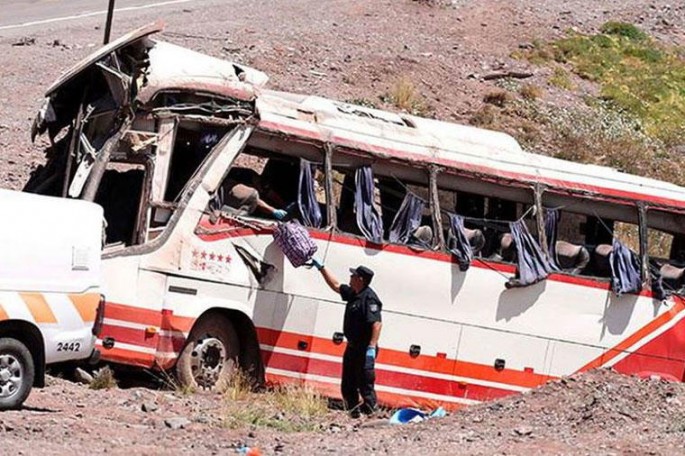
{"type": "Point", "coordinates": [20, 15]}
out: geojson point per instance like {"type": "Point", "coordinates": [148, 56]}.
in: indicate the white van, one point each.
{"type": "Point", "coordinates": [51, 306]}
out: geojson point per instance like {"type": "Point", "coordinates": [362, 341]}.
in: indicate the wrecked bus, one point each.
{"type": "Point", "coordinates": [499, 269]}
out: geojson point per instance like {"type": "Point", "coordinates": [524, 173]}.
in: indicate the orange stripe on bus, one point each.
{"type": "Point", "coordinates": [132, 313]}
{"type": "Point", "coordinates": [634, 338]}
{"type": "Point", "coordinates": [3, 314]}
{"type": "Point", "coordinates": [398, 358]}
{"type": "Point", "coordinates": [129, 357]}
{"type": "Point", "coordinates": [162, 318]}
{"type": "Point", "coordinates": [38, 307]}
{"type": "Point", "coordinates": [387, 399]}
{"type": "Point", "coordinates": [86, 305]}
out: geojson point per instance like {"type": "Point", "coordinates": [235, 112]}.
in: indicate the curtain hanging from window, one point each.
{"type": "Point", "coordinates": [458, 243]}
{"type": "Point", "coordinates": [407, 219]}
{"type": "Point", "coordinates": [306, 196]}
{"type": "Point", "coordinates": [532, 264]}
{"type": "Point", "coordinates": [552, 217]}
{"type": "Point", "coordinates": [625, 269]}
{"type": "Point", "coordinates": [368, 219]}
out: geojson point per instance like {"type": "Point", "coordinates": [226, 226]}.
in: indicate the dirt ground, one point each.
{"type": "Point", "coordinates": [347, 50]}
{"type": "Point", "coordinates": [599, 413]}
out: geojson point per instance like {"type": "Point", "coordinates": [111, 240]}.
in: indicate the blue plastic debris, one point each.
{"type": "Point", "coordinates": [412, 415]}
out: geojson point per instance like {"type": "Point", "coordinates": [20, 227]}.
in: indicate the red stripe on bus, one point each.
{"type": "Point", "coordinates": [602, 284]}
{"type": "Point", "coordinates": [638, 335]}
{"type": "Point", "coordinates": [133, 314]}
{"type": "Point", "coordinates": [124, 356]}
{"type": "Point", "coordinates": [130, 336]}
{"type": "Point", "coordinates": [164, 319]}
{"type": "Point", "coordinates": [476, 169]}
{"type": "Point", "coordinates": [403, 380]}
{"type": "Point", "coordinates": [176, 322]}
{"type": "Point", "coordinates": [283, 339]}
{"type": "Point", "coordinates": [385, 398]}
{"type": "Point", "coordinates": [664, 355]}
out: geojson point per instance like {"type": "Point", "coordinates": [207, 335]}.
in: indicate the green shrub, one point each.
{"type": "Point", "coordinates": [637, 76]}
{"type": "Point", "coordinates": [623, 29]}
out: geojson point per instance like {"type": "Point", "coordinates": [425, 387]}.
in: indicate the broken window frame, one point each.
{"type": "Point", "coordinates": [622, 211]}
{"type": "Point", "coordinates": [407, 173]}
{"type": "Point", "coordinates": [456, 182]}
{"type": "Point", "coordinates": [268, 145]}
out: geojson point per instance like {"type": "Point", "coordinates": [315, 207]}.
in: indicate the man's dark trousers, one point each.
{"type": "Point", "coordinates": [358, 377]}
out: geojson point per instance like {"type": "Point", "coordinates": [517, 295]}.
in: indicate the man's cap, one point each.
{"type": "Point", "coordinates": [363, 272]}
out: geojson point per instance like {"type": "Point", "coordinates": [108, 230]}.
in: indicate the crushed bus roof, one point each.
{"type": "Point", "coordinates": [380, 133]}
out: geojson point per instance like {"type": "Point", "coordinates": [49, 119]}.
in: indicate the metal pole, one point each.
{"type": "Point", "coordinates": [108, 24]}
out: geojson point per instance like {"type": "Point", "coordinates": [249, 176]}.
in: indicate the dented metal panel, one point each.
{"type": "Point", "coordinates": [98, 55]}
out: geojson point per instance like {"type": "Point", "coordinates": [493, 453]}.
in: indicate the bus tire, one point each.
{"type": "Point", "coordinates": [210, 357]}
{"type": "Point", "coordinates": [17, 373]}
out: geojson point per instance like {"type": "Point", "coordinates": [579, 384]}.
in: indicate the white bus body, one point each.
{"type": "Point", "coordinates": [178, 275]}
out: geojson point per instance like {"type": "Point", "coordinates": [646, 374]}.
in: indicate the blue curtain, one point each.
{"type": "Point", "coordinates": [552, 217]}
{"type": "Point", "coordinates": [407, 219]}
{"type": "Point", "coordinates": [625, 269]}
{"type": "Point", "coordinates": [458, 243]}
{"type": "Point", "coordinates": [306, 196]}
{"type": "Point", "coordinates": [368, 219]}
{"type": "Point", "coordinates": [532, 263]}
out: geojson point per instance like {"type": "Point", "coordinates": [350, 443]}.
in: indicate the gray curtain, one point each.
{"type": "Point", "coordinates": [552, 217]}
{"type": "Point", "coordinates": [407, 219]}
{"type": "Point", "coordinates": [368, 219]}
{"type": "Point", "coordinates": [625, 269]}
{"type": "Point", "coordinates": [306, 197]}
{"type": "Point", "coordinates": [458, 242]}
{"type": "Point", "coordinates": [532, 263]}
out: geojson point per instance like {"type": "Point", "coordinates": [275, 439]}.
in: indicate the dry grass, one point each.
{"type": "Point", "coordinates": [404, 95]}
{"type": "Point", "coordinates": [499, 98]}
{"type": "Point", "coordinates": [486, 117]}
{"type": "Point", "coordinates": [170, 382]}
{"type": "Point", "coordinates": [286, 408]}
{"type": "Point", "coordinates": [300, 400]}
{"type": "Point", "coordinates": [239, 387]}
{"type": "Point", "coordinates": [531, 92]}
{"type": "Point", "coordinates": [560, 78]}
{"type": "Point", "coordinates": [103, 379]}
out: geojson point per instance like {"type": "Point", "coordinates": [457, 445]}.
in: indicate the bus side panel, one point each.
{"type": "Point", "coordinates": [133, 311]}
{"type": "Point", "coordinates": [664, 355]}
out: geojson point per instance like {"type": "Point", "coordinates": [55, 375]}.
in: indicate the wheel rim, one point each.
{"type": "Point", "coordinates": [11, 376]}
{"type": "Point", "coordinates": [207, 361]}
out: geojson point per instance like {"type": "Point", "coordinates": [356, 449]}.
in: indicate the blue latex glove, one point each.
{"type": "Point", "coordinates": [279, 214]}
{"type": "Point", "coordinates": [317, 264]}
{"type": "Point", "coordinates": [371, 352]}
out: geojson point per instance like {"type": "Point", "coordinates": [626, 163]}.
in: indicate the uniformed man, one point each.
{"type": "Point", "coordinates": [362, 328]}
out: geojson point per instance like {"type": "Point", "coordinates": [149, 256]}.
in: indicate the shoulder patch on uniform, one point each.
{"type": "Point", "coordinates": [374, 308]}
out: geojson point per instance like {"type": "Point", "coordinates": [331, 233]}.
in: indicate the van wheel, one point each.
{"type": "Point", "coordinates": [17, 373]}
{"type": "Point", "coordinates": [210, 357]}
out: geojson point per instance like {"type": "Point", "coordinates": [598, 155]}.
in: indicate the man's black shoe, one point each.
{"type": "Point", "coordinates": [367, 410]}
{"type": "Point", "coordinates": [354, 413]}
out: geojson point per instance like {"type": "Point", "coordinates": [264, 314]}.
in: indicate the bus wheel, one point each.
{"type": "Point", "coordinates": [17, 373]}
{"type": "Point", "coordinates": [210, 357]}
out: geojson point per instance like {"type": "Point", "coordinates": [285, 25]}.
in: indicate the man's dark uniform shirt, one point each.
{"type": "Point", "coordinates": [361, 311]}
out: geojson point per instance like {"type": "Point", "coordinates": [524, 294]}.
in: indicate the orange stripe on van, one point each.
{"type": "Point", "coordinates": [86, 305]}
{"type": "Point", "coordinates": [38, 307]}
{"type": "Point", "coordinates": [3, 314]}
